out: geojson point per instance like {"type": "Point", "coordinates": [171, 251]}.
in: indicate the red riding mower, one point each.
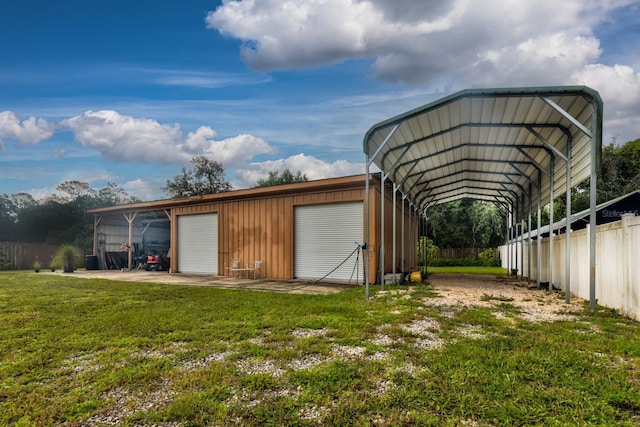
{"type": "Point", "coordinates": [157, 262]}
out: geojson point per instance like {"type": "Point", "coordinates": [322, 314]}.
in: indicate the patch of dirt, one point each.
{"type": "Point", "coordinates": [535, 305]}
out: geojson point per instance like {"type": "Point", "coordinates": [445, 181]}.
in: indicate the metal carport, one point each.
{"type": "Point", "coordinates": [510, 146]}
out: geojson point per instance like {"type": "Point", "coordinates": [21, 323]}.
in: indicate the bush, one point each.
{"type": "Point", "coordinates": [68, 257]}
{"type": "Point", "coordinates": [426, 249]}
{"type": "Point", "coordinates": [488, 259]}
{"type": "Point", "coordinates": [4, 261]}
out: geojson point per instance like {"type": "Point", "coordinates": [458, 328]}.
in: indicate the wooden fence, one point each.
{"type": "Point", "coordinates": [21, 256]}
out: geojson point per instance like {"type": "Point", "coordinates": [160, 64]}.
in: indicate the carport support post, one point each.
{"type": "Point", "coordinates": [522, 249]}
{"type": "Point", "coordinates": [130, 217]}
{"type": "Point", "coordinates": [567, 229]}
{"type": "Point", "coordinates": [426, 244]}
{"type": "Point", "coordinates": [538, 236]}
{"type": "Point", "coordinates": [366, 231]}
{"type": "Point", "coordinates": [96, 223]}
{"type": "Point", "coordinates": [552, 185]}
{"type": "Point", "coordinates": [508, 240]}
{"type": "Point", "coordinates": [402, 233]}
{"type": "Point", "coordinates": [522, 240]}
{"type": "Point", "coordinates": [514, 227]}
{"type": "Point", "coordinates": [596, 141]}
{"type": "Point", "coordinates": [395, 192]}
{"type": "Point", "coordinates": [383, 177]}
{"type": "Point", "coordinates": [529, 235]}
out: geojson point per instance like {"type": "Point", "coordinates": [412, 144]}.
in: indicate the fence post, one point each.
{"type": "Point", "coordinates": [627, 262]}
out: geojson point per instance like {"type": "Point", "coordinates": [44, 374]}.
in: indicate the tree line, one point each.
{"type": "Point", "coordinates": [476, 224]}
{"type": "Point", "coordinates": [62, 218]}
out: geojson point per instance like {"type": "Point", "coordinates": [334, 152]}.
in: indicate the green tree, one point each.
{"type": "Point", "coordinates": [207, 177]}
{"type": "Point", "coordinates": [59, 218]}
{"type": "Point", "coordinates": [112, 194]}
{"type": "Point", "coordinates": [466, 223]}
{"type": "Point", "coordinates": [286, 177]}
{"type": "Point", "coordinates": [75, 190]}
{"type": "Point", "coordinates": [619, 175]}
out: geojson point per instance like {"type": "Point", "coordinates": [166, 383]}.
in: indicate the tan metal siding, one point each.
{"type": "Point", "coordinates": [261, 227]}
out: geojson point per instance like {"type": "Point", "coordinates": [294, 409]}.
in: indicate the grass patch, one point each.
{"type": "Point", "coordinates": [499, 271]}
{"type": "Point", "coordinates": [93, 352]}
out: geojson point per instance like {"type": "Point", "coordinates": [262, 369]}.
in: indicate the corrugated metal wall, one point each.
{"type": "Point", "coordinates": [263, 229]}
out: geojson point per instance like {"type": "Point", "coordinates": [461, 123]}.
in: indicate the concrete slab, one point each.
{"type": "Point", "coordinates": [222, 282]}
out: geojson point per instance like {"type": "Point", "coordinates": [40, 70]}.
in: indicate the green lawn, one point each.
{"type": "Point", "coordinates": [468, 270]}
{"type": "Point", "coordinates": [79, 352]}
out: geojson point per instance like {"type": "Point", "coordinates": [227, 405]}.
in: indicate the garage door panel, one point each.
{"type": "Point", "coordinates": [325, 235]}
{"type": "Point", "coordinates": [198, 244]}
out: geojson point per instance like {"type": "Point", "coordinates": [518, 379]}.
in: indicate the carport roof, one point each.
{"type": "Point", "coordinates": [503, 145]}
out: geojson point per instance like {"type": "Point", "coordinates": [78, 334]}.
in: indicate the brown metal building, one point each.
{"type": "Point", "coordinates": [298, 231]}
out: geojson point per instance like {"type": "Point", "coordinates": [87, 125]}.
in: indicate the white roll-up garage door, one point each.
{"type": "Point", "coordinates": [325, 235]}
{"type": "Point", "coordinates": [198, 243]}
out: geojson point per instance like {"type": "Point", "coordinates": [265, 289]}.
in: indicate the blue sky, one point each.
{"type": "Point", "coordinates": [129, 91]}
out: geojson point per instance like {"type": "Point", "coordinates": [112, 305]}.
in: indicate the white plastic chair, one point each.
{"type": "Point", "coordinates": [257, 264]}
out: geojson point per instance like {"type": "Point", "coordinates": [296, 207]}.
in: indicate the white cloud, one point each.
{"type": "Point", "coordinates": [238, 150]}
{"type": "Point", "coordinates": [310, 166]}
{"type": "Point", "coordinates": [417, 41]}
{"type": "Point", "coordinates": [130, 139]}
{"type": "Point", "coordinates": [231, 152]}
{"type": "Point", "coordinates": [207, 80]}
{"type": "Point", "coordinates": [126, 138]}
{"type": "Point", "coordinates": [198, 140]}
{"type": "Point", "coordinates": [456, 44]}
{"type": "Point", "coordinates": [546, 60]}
{"type": "Point", "coordinates": [144, 190]}
{"type": "Point", "coordinates": [29, 131]}
{"type": "Point", "coordinates": [619, 87]}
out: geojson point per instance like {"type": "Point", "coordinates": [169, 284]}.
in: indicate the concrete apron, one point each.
{"type": "Point", "coordinates": [223, 282]}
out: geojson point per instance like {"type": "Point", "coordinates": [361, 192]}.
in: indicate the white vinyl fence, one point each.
{"type": "Point", "coordinates": [617, 263]}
